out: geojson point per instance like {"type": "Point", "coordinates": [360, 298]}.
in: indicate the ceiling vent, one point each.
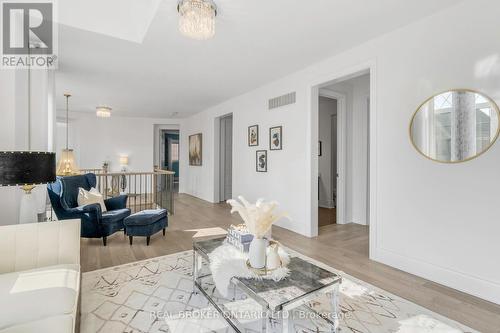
{"type": "Point", "coordinates": [282, 100]}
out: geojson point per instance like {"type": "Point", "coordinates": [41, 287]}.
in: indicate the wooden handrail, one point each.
{"type": "Point", "coordinates": [126, 173]}
{"type": "Point", "coordinates": [165, 172]}
{"type": "Point", "coordinates": [137, 173]}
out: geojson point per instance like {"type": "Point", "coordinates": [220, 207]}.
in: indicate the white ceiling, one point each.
{"type": "Point", "coordinates": [128, 54]}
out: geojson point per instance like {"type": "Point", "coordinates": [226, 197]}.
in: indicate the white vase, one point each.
{"type": "Point", "coordinates": [257, 253]}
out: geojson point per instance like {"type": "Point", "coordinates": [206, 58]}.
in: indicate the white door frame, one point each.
{"type": "Point", "coordinates": [341, 151]}
{"type": "Point", "coordinates": [314, 84]}
{"type": "Point", "coordinates": [219, 153]}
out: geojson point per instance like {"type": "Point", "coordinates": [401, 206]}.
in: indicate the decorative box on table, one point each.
{"type": "Point", "coordinates": [239, 237]}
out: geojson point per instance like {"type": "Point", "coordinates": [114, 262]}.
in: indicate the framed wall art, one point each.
{"type": "Point", "coordinates": [195, 149]}
{"type": "Point", "coordinates": [276, 138]}
{"type": "Point", "coordinates": [261, 161]}
{"type": "Point", "coordinates": [253, 135]}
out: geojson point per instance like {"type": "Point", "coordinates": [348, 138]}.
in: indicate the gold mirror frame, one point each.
{"type": "Point", "coordinates": [494, 105]}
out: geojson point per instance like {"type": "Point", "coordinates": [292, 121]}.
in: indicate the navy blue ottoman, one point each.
{"type": "Point", "coordinates": [146, 223]}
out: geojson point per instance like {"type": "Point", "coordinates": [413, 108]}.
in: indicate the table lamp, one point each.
{"type": "Point", "coordinates": [123, 178]}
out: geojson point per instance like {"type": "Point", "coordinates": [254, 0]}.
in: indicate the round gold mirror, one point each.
{"type": "Point", "coordinates": [455, 126]}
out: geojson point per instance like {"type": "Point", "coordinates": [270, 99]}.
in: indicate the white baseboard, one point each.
{"type": "Point", "coordinates": [473, 285]}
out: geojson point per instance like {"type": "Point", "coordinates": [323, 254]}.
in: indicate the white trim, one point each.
{"type": "Point", "coordinates": [311, 190]}
{"type": "Point", "coordinates": [341, 151]}
{"type": "Point", "coordinates": [373, 162]}
{"type": "Point", "coordinates": [216, 159]}
{"type": "Point", "coordinates": [467, 283]}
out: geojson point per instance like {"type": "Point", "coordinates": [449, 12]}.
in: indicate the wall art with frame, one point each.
{"type": "Point", "coordinates": [261, 161]}
{"type": "Point", "coordinates": [276, 138]}
{"type": "Point", "coordinates": [253, 135]}
{"type": "Point", "coordinates": [195, 149]}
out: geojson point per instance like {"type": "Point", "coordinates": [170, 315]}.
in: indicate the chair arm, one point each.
{"type": "Point", "coordinates": [118, 202]}
{"type": "Point", "coordinates": [93, 210]}
{"type": "Point", "coordinates": [35, 245]}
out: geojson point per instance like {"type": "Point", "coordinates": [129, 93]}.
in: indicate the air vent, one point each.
{"type": "Point", "coordinates": [282, 100]}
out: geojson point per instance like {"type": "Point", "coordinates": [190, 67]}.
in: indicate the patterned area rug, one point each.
{"type": "Point", "coordinates": [155, 296]}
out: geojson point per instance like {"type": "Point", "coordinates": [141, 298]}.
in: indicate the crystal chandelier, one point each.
{"type": "Point", "coordinates": [103, 111]}
{"type": "Point", "coordinates": [197, 19]}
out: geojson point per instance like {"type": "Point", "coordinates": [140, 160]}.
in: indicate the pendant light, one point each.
{"type": "Point", "coordinates": [67, 163]}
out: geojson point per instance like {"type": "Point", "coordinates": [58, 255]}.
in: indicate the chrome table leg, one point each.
{"type": "Point", "coordinates": [195, 270]}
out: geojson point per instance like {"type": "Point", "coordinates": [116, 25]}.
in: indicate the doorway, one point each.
{"type": "Point", "coordinates": [327, 161]}
{"type": "Point", "coordinates": [343, 167]}
{"type": "Point", "coordinates": [170, 154]}
{"type": "Point", "coordinates": [225, 158]}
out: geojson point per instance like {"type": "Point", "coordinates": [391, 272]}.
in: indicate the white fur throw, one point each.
{"type": "Point", "coordinates": [227, 262]}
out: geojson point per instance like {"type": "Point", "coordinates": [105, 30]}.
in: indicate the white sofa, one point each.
{"type": "Point", "coordinates": [39, 277]}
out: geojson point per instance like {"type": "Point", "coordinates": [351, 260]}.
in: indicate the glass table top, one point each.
{"type": "Point", "coordinates": [305, 278]}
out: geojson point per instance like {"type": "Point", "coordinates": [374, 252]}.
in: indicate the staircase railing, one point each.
{"type": "Point", "coordinates": [145, 190]}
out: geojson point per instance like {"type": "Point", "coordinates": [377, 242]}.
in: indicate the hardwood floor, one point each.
{"type": "Point", "coordinates": [344, 247]}
{"type": "Point", "coordinates": [326, 216]}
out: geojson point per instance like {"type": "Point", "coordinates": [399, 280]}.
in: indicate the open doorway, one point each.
{"type": "Point", "coordinates": [327, 161]}
{"type": "Point", "coordinates": [343, 157]}
{"type": "Point", "coordinates": [169, 153]}
{"type": "Point", "coordinates": [225, 148]}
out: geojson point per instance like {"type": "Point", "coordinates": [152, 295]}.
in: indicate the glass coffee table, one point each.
{"type": "Point", "coordinates": [276, 300]}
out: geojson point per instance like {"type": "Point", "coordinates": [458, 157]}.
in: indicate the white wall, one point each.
{"type": "Point", "coordinates": [96, 140]}
{"type": "Point", "coordinates": [357, 92]}
{"type": "Point", "coordinates": [9, 203]}
{"type": "Point", "coordinates": [327, 162]}
{"type": "Point", "coordinates": [434, 220]}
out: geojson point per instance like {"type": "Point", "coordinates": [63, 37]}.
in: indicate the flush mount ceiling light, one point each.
{"type": "Point", "coordinates": [103, 111]}
{"type": "Point", "coordinates": [197, 19]}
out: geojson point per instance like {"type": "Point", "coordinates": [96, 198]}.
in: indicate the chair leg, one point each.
{"type": "Point", "coordinates": [104, 238]}
{"type": "Point", "coordinates": [148, 238]}
{"type": "Point", "coordinates": [163, 231]}
{"type": "Point", "coordinates": [131, 239]}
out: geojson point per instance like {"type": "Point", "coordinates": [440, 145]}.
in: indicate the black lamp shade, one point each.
{"type": "Point", "coordinates": [27, 168]}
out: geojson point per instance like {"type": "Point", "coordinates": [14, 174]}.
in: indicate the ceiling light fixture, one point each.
{"type": "Point", "coordinates": [197, 19]}
{"type": "Point", "coordinates": [103, 111]}
{"type": "Point", "coordinates": [67, 161]}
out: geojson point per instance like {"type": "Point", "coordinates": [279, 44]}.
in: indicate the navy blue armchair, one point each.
{"type": "Point", "coordinates": [63, 196]}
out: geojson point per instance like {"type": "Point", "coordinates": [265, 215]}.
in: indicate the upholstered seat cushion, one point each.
{"type": "Point", "coordinates": [115, 215]}
{"type": "Point", "coordinates": [146, 223]}
{"type": "Point", "coordinates": [145, 217]}
{"type": "Point", "coordinates": [34, 295]}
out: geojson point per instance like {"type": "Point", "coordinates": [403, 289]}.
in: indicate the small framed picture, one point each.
{"type": "Point", "coordinates": [276, 138]}
{"type": "Point", "coordinates": [320, 148]}
{"type": "Point", "coordinates": [261, 161]}
{"type": "Point", "coordinates": [253, 135]}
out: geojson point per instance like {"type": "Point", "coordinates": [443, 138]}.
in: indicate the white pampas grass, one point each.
{"type": "Point", "coordinates": [258, 217]}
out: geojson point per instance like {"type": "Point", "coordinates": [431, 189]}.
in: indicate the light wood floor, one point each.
{"type": "Point", "coordinates": [344, 247]}
{"type": "Point", "coordinates": [326, 216]}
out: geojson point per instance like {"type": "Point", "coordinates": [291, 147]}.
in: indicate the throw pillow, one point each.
{"type": "Point", "coordinates": [90, 197]}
